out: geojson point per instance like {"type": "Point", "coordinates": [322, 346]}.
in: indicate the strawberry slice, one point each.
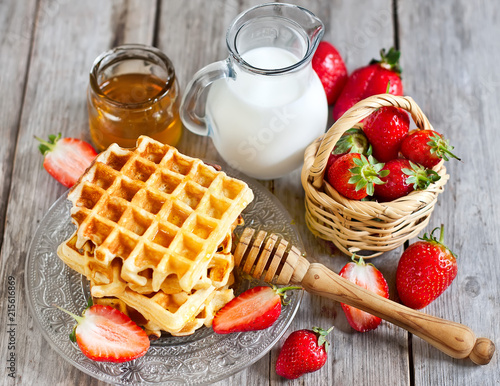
{"type": "Point", "coordinates": [66, 158]}
{"type": "Point", "coordinates": [255, 309]}
{"type": "Point", "coordinates": [369, 277]}
{"type": "Point", "coordinates": [106, 334]}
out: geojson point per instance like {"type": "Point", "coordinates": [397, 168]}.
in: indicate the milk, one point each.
{"type": "Point", "coordinates": [261, 124]}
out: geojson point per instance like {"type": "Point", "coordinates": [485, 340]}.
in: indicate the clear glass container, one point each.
{"type": "Point", "coordinates": [133, 91]}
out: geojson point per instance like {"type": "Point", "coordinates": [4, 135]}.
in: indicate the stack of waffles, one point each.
{"type": "Point", "coordinates": [154, 234]}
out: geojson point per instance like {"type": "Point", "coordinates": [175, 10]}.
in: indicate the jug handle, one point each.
{"type": "Point", "coordinates": [193, 120]}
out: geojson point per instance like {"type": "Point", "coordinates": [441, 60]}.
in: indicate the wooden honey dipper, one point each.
{"type": "Point", "coordinates": [272, 259]}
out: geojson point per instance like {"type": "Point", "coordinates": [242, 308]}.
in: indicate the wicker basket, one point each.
{"type": "Point", "coordinates": [370, 226]}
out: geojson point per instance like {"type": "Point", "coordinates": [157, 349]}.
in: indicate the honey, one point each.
{"type": "Point", "coordinates": [136, 94]}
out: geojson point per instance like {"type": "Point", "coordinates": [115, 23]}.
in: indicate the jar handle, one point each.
{"type": "Point", "coordinates": [192, 106]}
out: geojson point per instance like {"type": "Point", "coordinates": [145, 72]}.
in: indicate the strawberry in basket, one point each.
{"type": "Point", "coordinates": [379, 77]}
{"type": "Point", "coordinates": [386, 129]}
{"type": "Point", "coordinates": [352, 141]}
{"type": "Point", "coordinates": [354, 175]}
{"type": "Point", "coordinates": [403, 178]}
{"type": "Point", "coordinates": [426, 147]}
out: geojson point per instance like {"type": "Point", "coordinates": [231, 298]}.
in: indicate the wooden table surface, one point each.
{"type": "Point", "coordinates": [450, 55]}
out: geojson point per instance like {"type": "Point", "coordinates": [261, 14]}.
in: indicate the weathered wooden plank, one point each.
{"type": "Point", "coordinates": [450, 51]}
{"type": "Point", "coordinates": [68, 36]}
{"type": "Point", "coordinates": [16, 28]}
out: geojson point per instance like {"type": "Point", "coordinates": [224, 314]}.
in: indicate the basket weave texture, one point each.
{"type": "Point", "coordinates": [354, 226]}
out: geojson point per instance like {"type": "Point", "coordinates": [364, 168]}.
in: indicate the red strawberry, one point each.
{"type": "Point", "coordinates": [425, 270]}
{"type": "Point", "coordinates": [385, 129]}
{"type": "Point", "coordinates": [369, 277]}
{"type": "Point", "coordinates": [255, 309]}
{"type": "Point", "coordinates": [331, 70]}
{"type": "Point", "coordinates": [304, 351]}
{"type": "Point", "coordinates": [108, 335]}
{"type": "Point", "coordinates": [352, 141]}
{"type": "Point", "coordinates": [404, 177]}
{"type": "Point", "coordinates": [426, 147]}
{"type": "Point", "coordinates": [67, 158]}
{"type": "Point", "coordinates": [378, 77]}
{"type": "Point", "coordinates": [354, 176]}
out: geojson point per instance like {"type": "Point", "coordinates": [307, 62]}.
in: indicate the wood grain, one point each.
{"type": "Point", "coordinates": [448, 68]}
{"type": "Point", "coordinates": [68, 36]}
{"type": "Point", "coordinates": [450, 55]}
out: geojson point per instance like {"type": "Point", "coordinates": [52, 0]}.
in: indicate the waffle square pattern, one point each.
{"type": "Point", "coordinates": [151, 224]}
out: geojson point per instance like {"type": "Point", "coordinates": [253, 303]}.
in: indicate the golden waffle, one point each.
{"type": "Point", "coordinates": [163, 214]}
{"type": "Point", "coordinates": [170, 309]}
{"type": "Point", "coordinates": [204, 318]}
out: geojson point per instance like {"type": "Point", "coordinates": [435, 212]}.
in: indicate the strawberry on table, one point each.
{"type": "Point", "coordinates": [255, 309]}
{"type": "Point", "coordinates": [426, 147]}
{"type": "Point", "coordinates": [425, 270]}
{"type": "Point", "coordinates": [370, 278]}
{"type": "Point", "coordinates": [331, 70]}
{"type": "Point", "coordinates": [304, 351]}
{"type": "Point", "coordinates": [379, 77]}
{"type": "Point", "coordinates": [385, 129]}
{"type": "Point", "coordinates": [404, 177]}
{"type": "Point", "coordinates": [353, 175]}
{"type": "Point", "coordinates": [66, 158]}
{"type": "Point", "coordinates": [108, 335]}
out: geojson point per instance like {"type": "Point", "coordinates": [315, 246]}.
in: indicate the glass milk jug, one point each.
{"type": "Point", "coordinates": [264, 104]}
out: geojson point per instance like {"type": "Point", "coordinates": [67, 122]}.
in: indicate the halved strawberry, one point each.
{"type": "Point", "coordinates": [369, 277]}
{"type": "Point", "coordinates": [255, 309]}
{"type": "Point", "coordinates": [66, 158]}
{"type": "Point", "coordinates": [107, 335]}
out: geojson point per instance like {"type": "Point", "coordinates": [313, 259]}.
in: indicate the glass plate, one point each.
{"type": "Point", "coordinates": [203, 357]}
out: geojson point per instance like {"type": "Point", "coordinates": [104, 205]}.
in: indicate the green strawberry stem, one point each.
{"type": "Point", "coordinates": [78, 319]}
{"type": "Point", "coordinates": [321, 333]}
{"type": "Point", "coordinates": [431, 239]}
{"type": "Point", "coordinates": [389, 60]}
{"type": "Point", "coordinates": [420, 177]}
{"type": "Point", "coordinates": [367, 173]}
{"type": "Point", "coordinates": [282, 291]}
{"type": "Point", "coordinates": [48, 146]}
{"type": "Point", "coordinates": [441, 147]}
{"type": "Point", "coordinates": [352, 141]}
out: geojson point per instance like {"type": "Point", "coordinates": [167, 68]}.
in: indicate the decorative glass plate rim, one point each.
{"type": "Point", "coordinates": [155, 367]}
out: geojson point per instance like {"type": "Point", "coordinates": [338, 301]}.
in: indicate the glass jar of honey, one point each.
{"type": "Point", "coordinates": [133, 91]}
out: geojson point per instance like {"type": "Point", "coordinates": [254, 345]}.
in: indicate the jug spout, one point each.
{"type": "Point", "coordinates": [313, 27]}
{"type": "Point", "coordinates": [278, 25]}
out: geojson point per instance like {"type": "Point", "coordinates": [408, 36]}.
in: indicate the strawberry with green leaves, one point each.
{"type": "Point", "coordinates": [379, 77]}
{"type": "Point", "coordinates": [370, 278]}
{"type": "Point", "coordinates": [304, 351]}
{"type": "Point", "coordinates": [354, 175]}
{"type": "Point", "coordinates": [425, 270]}
{"type": "Point", "coordinates": [108, 335]}
{"type": "Point", "coordinates": [427, 148]}
{"type": "Point", "coordinates": [404, 177]}
{"type": "Point", "coordinates": [386, 129]}
{"type": "Point", "coordinates": [255, 309]}
{"type": "Point", "coordinates": [66, 158]}
{"type": "Point", "coordinates": [352, 141]}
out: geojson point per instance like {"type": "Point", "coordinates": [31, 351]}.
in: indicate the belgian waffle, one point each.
{"type": "Point", "coordinates": [163, 214]}
{"type": "Point", "coordinates": [170, 309]}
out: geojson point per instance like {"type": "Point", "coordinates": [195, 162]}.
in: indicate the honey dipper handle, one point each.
{"type": "Point", "coordinates": [454, 339]}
